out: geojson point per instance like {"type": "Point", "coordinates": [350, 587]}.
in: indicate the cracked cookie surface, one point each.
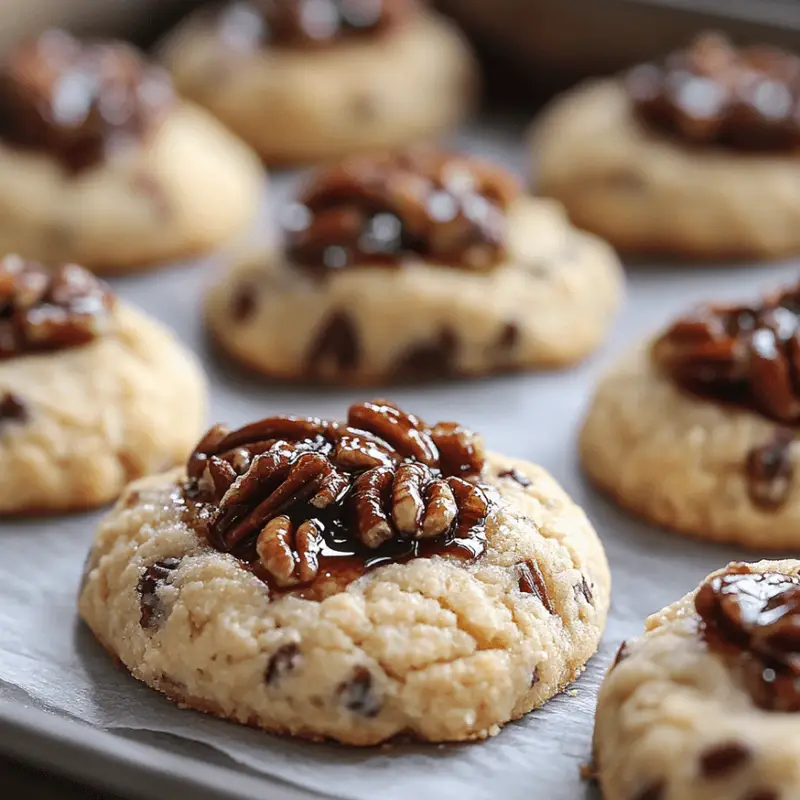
{"type": "Point", "coordinates": [439, 648]}
{"type": "Point", "coordinates": [679, 716]}
{"type": "Point", "coordinates": [548, 303]}
{"type": "Point", "coordinates": [78, 423]}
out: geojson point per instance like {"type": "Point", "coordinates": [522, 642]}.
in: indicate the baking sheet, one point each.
{"type": "Point", "coordinates": [48, 659]}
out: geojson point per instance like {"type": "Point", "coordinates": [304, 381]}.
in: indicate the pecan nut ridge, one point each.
{"type": "Point", "coordinates": [43, 311]}
{"type": "Point", "coordinates": [387, 209]}
{"type": "Point", "coordinates": [379, 492]}
{"type": "Point", "coordinates": [747, 355]}
{"type": "Point", "coordinates": [753, 619]}
{"type": "Point", "coordinates": [713, 93]}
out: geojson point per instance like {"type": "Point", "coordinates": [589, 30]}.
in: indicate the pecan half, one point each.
{"type": "Point", "coordinates": [748, 355]}
{"type": "Point", "coordinates": [42, 310]}
{"type": "Point", "coordinates": [753, 618]}
{"type": "Point", "coordinates": [287, 491]}
{"type": "Point", "coordinates": [418, 204]}
{"type": "Point", "coordinates": [716, 94]}
{"type": "Point", "coordinates": [79, 102]}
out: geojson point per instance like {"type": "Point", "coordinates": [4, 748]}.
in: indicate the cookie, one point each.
{"type": "Point", "coordinates": [102, 165]}
{"type": "Point", "coordinates": [353, 581]}
{"type": "Point", "coordinates": [699, 707]}
{"type": "Point", "coordinates": [416, 265]}
{"type": "Point", "coordinates": [354, 76]}
{"type": "Point", "coordinates": [695, 157]}
{"type": "Point", "coordinates": [93, 394]}
{"type": "Point", "coordinates": [696, 430]}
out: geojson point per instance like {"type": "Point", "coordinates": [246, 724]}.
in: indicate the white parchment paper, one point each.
{"type": "Point", "coordinates": [49, 657]}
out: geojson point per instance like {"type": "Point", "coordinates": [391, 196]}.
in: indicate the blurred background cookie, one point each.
{"type": "Point", "coordinates": [302, 81]}
{"type": "Point", "coordinates": [695, 155]}
{"type": "Point", "coordinates": [417, 265]}
{"type": "Point", "coordinates": [102, 164]}
{"type": "Point", "coordinates": [92, 392]}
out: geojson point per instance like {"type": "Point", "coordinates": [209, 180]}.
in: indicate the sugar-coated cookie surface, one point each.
{"type": "Point", "coordinates": [137, 177]}
{"type": "Point", "coordinates": [703, 706]}
{"type": "Point", "coordinates": [635, 162]}
{"type": "Point", "coordinates": [446, 646]}
{"type": "Point", "coordinates": [696, 429]}
{"type": "Point", "coordinates": [503, 282]}
{"type": "Point", "coordinates": [312, 95]}
{"type": "Point", "coordinates": [93, 393]}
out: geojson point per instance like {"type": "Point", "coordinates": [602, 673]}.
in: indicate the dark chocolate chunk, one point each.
{"type": "Point", "coordinates": [583, 589]}
{"type": "Point", "coordinates": [509, 337]}
{"type": "Point", "coordinates": [243, 301]}
{"type": "Point", "coordinates": [337, 344]}
{"type": "Point", "coordinates": [358, 695]}
{"type": "Point", "coordinates": [283, 661]}
{"type": "Point", "coordinates": [433, 359]}
{"type": "Point", "coordinates": [770, 471]}
{"type": "Point", "coordinates": [535, 677]}
{"type": "Point", "coordinates": [723, 759]}
{"type": "Point", "coordinates": [155, 576]}
{"type": "Point", "coordinates": [531, 581]}
{"type": "Point", "coordinates": [12, 408]}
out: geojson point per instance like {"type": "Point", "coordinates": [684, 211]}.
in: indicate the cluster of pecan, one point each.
{"type": "Point", "coordinates": [76, 101]}
{"type": "Point", "coordinates": [742, 354]}
{"type": "Point", "coordinates": [43, 310]}
{"type": "Point", "coordinates": [715, 93]}
{"type": "Point", "coordinates": [286, 484]}
{"type": "Point", "coordinates": [294, 23]}
{"type": "Point", "coordinates": [441, 207]}
{"type": "Point", "coordinates": [754, 617]}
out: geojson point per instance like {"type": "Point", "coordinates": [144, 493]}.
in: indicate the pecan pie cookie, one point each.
{"type": "Point", "coordinates": [415, 265]}
{"type": "Point", "coordinates": [302, 81]}
{"type": "Point", "coordinates": [354, 581]}
{"type": "Point", "coordinates": [702, 706]}
{"type": "Point", "coordinates": [697, 156]}
{"type": "Point", "coordinates": [92, 393]}
{"type": "Point", "coordinates": [697, 430]}
{"type": "Point", "coordinates": [102, 165]}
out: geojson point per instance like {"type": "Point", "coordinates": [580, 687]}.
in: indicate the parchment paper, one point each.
{"type": "Point", "coordinates": [47, 657]}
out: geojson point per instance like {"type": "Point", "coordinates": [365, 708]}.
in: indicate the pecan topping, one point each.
{"type": "Point", "coordinates": [387, 209]}
{"type": "Point", "coordinates": [42, 310]}
{"type": "Point", "coordinates": [289, 493]}
{"type": "Point", "coordinates": [79, 102]}
{"type": "Point", "coordinates": [304, 24]}
{"type": "Point", "coordinates": [754, 619]}
{"type": "Point", "coordinates": [716, 94]}
{"type": "Point", "coordinates": [748, 355]}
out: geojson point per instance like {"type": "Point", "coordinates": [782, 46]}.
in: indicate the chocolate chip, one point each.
{"type": "Point", "coordinates": [336, 344]}
{"type": "Point", "coordinates": [243, 301]}
{"type": "Point", "coordinates": [535, 677]}
{"type": "Point", "coordinates": [153, 577]}
{"type": "Point", "coordinates": [722, 759]}
{"type": "Point", "coordinates": [653, 791]}
{"type": "Point", "coordinates": [622, 654]}
{"type": "Point", "coordinates": [531, 581]}
{"type": "Point", "coordinates": [283, 661]}
{"type": "Point", "coordinates": [436, 358]}
{"type": "Point", "coordinates": [12, 408]}
{"type": "Point", "coordinates": [769, 470]}
{"type": "Point", "coordinates": [583, 589]}
{"type": "Point", "coordinates": [357, 694]}
{"type": "Point", "coordinates": [509, 337]}
{"type": "Point", "coordinates": [515, 475]}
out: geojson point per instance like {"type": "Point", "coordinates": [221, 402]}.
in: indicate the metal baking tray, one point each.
{"type": "Point", "coordinates": [532, 416]}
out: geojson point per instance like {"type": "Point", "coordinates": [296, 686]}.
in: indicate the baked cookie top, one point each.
{"type": "Point", "coordinates": [312, 502]}
{"type": "Point", "coordinates": [255, 24]}
{"type": "Point", "coordinates": [385, 209]}
{"type": "Point", "coordinates": [43, 310]}
{"type": "Point", "coordinates": [79, 103]}
{"type": "Point", "coordinates": [713, 93]}
{"type": "Point", "coordinates": [743, 354]}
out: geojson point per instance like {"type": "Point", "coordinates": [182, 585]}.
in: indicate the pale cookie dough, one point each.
{"type": "Point", "coordinates": [300, 105]}
{"type": "Point", "coordinates": [676, 720]}
{"type": "Point", "coordinates": [646, 192]}
{"type": "Point", "coordinates": [549, 304]}
{"type": "Point", "coordinates": [185, 187]}
{"type": "Point", "coordinates": [438, 648]}
{"type": "Point", "coordinates": [78, 423]}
